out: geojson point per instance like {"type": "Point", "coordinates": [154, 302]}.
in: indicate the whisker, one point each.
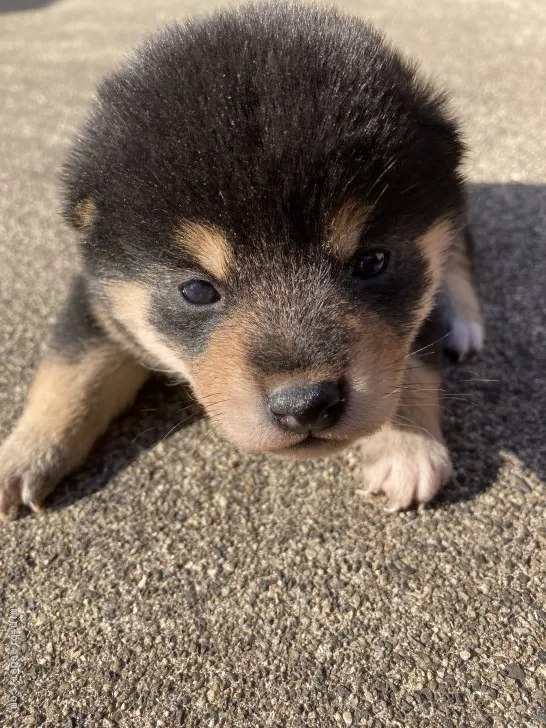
{"type": "Point", "coordinates": [186, 407]}
{"type": "Point", "coordinates": [442, 393]}
{"type": "Point", "coordinates": [435, 404]}
{"type": "Point", "coordinates": [183, 421]}
{"type": "Point", "coordinates": [464, 381]}
{"type": "Point", "coordinates": [141, 433]}
{"type": "Point", "coordinates": [412, 424]}
{"type": "Point", "coordinates": [209, 437]}
{"type": "Point", "coordinates": [423, 348]}
{"type": "Point", "coordinates": [443, 396]}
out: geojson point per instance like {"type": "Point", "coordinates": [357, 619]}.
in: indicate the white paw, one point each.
{"type": "Point", "coordinates": [407, 467]}
{"type": "Point", "coordinates": [465, 338]}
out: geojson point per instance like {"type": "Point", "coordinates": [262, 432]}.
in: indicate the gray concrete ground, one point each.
{"type": "Point", "coordinates": [177, 583]}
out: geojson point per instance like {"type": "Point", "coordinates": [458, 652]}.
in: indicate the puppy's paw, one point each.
{"type": "Point", "coordinates": [408, 467]}
{"type": "Point", "coordinates": [30, 468]}
{"type": "Point", "coordinates": [465, 336]}
{"type": "Point", "coordinates": [462, 320]}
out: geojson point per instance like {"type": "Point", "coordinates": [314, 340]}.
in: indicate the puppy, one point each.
{"type": "Point", "coordinates": [270, 205]}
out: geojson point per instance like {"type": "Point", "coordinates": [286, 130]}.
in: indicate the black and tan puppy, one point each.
{"type": "Point", "coordinates": [269, 205]}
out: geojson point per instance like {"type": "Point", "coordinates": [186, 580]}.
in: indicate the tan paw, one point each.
{"type": "Point", "coordinates": [408, 467]}
{"type": "Point", "coordinates": [29, 471]}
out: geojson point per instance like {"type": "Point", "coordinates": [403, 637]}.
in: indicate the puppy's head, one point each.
{"type": "Point", "coordinates": [267, 198]}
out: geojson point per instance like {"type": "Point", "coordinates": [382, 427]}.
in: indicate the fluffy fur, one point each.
{"type": "Point", "coordinates": [267, 151]}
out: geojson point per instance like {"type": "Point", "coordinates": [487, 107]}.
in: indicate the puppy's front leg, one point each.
{"type": "Point", "coordinates": [460, 310]}
{"type": "Point", "coordinates": [84, 381]}
{"type": "Point", "coordinates": [408, 459]}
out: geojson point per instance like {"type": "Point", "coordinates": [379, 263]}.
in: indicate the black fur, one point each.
{"type": "Point", "coordinates": [261, 121]}
{"type": "Point", "coordinates": [76, 330]}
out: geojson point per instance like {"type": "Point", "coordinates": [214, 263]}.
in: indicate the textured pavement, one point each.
{"type": "Point", "coordinates": [175, 582]}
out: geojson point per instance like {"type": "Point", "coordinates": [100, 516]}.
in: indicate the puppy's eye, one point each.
{"type": "Point", "coordinates": [370, 264]}
{"type": "Point", "coordinates": [200, 293]}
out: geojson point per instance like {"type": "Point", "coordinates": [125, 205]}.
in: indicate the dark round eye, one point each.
{"type": "Point", "coordinates": [200, 293]}
{"type": "Point", "coordinates": [370, 264]}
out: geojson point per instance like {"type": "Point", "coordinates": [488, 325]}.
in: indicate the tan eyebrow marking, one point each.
{"type": "Point", "coordinates": [207, 245]}
{"type": "Point", "coordinates": [346, 228]}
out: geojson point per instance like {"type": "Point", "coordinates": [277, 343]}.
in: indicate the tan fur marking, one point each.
{"type": "Point", "coordinates": [459, 306]}
{"type": "Point", "coordinates": [83, 396]}
{"type": "Point", "coordinates": [83, 215]}
{"type": "Point", "coordinates": [420, 397]}
{"type": "Point", "coordinates": [223, 381]}
{"type": "Point", "coordinates": [375, 372]}
{"type": "Point", "coordinates": [459, 283]}
{"type": "Point", "coordinates": [225, 356]}
{"type": "Point", "coordinates": [434, 245]}
{"type": "Point", "coordinates": [231, 391]}
{"type": "Point", "coordinates": [130, 306]}
{"type": "Point", "coordinates": [69, 406]}
{"type": "Point", "coordinates": [346, 229]}
{"type": "Point", "coordinates": [207, 245]}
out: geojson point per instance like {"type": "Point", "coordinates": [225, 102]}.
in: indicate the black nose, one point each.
{"type": "Point", "coordinates": [307, 407]}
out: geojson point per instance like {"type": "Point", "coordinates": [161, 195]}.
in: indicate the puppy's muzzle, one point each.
{"type": "Point", "coordinates": [307, 408]}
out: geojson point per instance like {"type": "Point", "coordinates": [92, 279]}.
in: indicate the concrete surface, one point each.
{"type": "Point", "coordinates": [177, 583]}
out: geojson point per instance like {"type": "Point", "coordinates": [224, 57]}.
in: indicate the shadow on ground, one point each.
{"type": "Point", "coordinates": [14, 6]}
{"type": "Point", "coordinates": [160, 411]}
{"type": "Point", "coordinates": [483, 419]}
{"type": "Point", "coordinates": [506, 415]}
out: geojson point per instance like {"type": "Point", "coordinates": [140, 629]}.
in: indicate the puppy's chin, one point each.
{"type": "Point", "coordinates": [298, 447]}
{"type": "Point", "coordinates": [272, 441]}
{"type": "Point", "coordinates": [311, 448]}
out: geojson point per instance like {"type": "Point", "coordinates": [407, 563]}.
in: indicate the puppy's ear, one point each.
{"type": "Point", "coordinates": [82, 214]}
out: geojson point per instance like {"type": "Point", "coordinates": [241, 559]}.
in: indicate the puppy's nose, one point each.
{"type": "Point", "coordinates": [307, 407]}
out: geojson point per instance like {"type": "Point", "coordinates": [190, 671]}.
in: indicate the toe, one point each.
{"type": "Point", "coordinates": [377, 476]}
{"type": "Point", "coordinates": [433, 476]}
{"type": "Point", "coordinates": [10, 496]}
{"type": "Point", "coordinates": [401, 487]}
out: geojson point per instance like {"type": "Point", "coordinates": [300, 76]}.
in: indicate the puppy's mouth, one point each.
{"type": "Point", "coordinates": [311, 446]}
{"type": "Point", "coordinates": [304, 444]}
{"type": "Point", "coordinates": [310, 441]}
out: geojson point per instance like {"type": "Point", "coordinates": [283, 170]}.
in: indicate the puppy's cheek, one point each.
{"type": "Point", "coordinates": [125, 314]}
{"type": "Point", "coordinates": [235, 410]}
{"type": "Point", "coordinates": [374, 376]}
{"type": "Point", "coordinates": [370, 411]}
{"type": "Point", "coordinates": [228, 389]}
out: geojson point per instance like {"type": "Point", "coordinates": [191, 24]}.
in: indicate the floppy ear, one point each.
{"type": "Point", "coordinates": [77, 179]}
{"type": "Point", "coordinates": [82, 214]}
